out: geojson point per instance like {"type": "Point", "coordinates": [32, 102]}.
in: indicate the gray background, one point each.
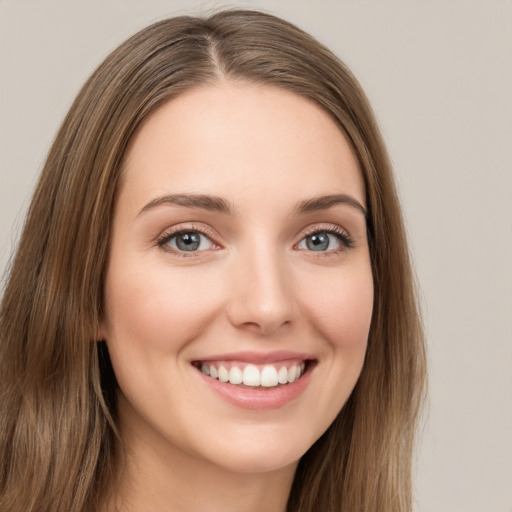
{"type": "Point", "coordinates": [439, 75]}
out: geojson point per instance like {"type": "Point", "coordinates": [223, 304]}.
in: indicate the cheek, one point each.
{"type": "Point", "coordinates": [341, 306]}
{"type": "Point", "coordinates": [156, 310]}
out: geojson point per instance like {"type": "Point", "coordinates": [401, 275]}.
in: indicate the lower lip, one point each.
{"type": "Point", "coordinates": [258, 398]}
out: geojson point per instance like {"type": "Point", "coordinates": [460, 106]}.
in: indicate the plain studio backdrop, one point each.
{"type": "Point", "coordinates": [439, 76]}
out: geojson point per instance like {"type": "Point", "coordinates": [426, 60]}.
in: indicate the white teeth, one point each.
{"type": "Point", "coordinates": [235, 375]}
{"type": "Point", "coordinates": [223, 374]}
{"type": "Point", "coordinates": [268, 377]}
{"type": "Point", "coordinates": [252, 376]}
{"type": "Point", "coordinates": [282, 375]}
{"type": "Point", "coordinates": [292, 374]}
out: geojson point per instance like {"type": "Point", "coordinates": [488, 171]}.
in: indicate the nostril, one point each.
{"type": "Point", "coordinates": [264, 328]}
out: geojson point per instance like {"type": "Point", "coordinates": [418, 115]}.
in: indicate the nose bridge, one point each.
{"type": "Point", "coordinates": [262, 296]}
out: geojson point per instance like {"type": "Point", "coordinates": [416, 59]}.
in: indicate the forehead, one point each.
{"type": "Point", "coordinates": [241, 139]}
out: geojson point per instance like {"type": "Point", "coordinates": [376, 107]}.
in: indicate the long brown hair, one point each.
{"type": "Point", "coordinates": [57, 394]}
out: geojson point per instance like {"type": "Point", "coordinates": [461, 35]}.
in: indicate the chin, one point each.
{"type": "Point", "coordinates": [260, 451]}
{"type": "Point", "coordinates": [259, 461]}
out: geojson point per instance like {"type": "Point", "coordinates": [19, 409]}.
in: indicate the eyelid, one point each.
{"type": "Point", "coordinates": [169, 233]}
{"type": "Point", "coordinates": [345, 238]}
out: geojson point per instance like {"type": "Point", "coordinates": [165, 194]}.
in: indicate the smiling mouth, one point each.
{"type": "Point", "coordinates": [255, 375]}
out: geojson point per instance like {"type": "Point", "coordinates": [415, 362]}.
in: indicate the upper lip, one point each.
{"type": "Point", "coordinates": [258, 357]}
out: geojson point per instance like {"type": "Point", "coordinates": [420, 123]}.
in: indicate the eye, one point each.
{"type": "Point", "coordinates": [326, 241]}
{"type": "Point", "coordinates": [187, 241]}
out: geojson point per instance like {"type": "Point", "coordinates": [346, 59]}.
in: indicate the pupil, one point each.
{"type": "Point", "coordinates": [188, 241]}
{"type": "Point", "coordinates": [318, 242]}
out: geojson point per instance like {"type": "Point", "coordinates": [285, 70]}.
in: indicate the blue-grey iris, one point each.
{"type": "Point", "coordinates": [317, 241]}
{"type": "Point", "coordinates": [188, 241]}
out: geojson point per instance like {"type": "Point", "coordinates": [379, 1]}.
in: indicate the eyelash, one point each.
{"type": "Point", "coordinates": [346, 241]}
{"type": "Point", "coordinates": [344, 238]}
{"type": "Point", "coordinates": [167, 236]}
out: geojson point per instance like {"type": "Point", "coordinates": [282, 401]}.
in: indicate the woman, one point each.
{"type": "Point", "coordinates": [212, 305]}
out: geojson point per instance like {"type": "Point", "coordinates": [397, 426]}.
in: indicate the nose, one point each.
{"type": "Point", "coordinates": [261, 298]}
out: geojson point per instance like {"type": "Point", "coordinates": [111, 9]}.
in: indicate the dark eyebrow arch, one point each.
{"type": "Point", "coordinates": [204, 202]}
{"type": "Point", "coordinates": [325, 202]}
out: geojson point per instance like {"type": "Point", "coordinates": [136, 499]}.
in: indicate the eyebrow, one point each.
{"type": "Point", "coordinates": [220, 205]}
{"type": "Point", "coordinates": [204, 202]}
{"type": "Point", "coordinates": [325, 202]}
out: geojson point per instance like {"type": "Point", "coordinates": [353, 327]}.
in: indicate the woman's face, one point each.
{"type": "Point", "coordinates": [238, 257]}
